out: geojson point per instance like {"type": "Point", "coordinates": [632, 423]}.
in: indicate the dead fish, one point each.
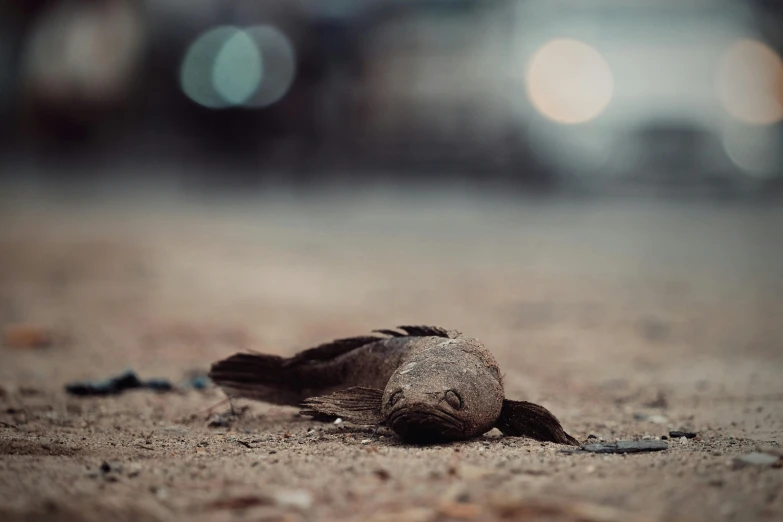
{"type": "Point", "coordinates": [425, 383]}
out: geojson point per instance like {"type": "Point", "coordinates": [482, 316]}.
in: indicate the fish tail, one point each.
{"type": "Point", "coordinates": [259, 377]}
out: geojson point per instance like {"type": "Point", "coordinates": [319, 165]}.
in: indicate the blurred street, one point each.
{"type": "Point", "coordinates": [541, 95]}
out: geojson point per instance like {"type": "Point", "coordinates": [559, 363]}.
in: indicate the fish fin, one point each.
{"type": "Point", "coordinates": [339, 347]}
{"type": "Point", "coordinates": [330, 350]}
{"type": "Point", "coordinates": [358, 405]}
{"type": "Point", "coordinates": [390, 333]}
{"type": "Point", "coordinates": [427, 331]}
{"type": "Point", "coordinates": [255, 376]}
{"type": "Point", "coordinates": [525, 419]}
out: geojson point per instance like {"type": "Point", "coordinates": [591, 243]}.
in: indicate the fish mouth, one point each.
{"type": "Point", "coordinates": [425, 426]}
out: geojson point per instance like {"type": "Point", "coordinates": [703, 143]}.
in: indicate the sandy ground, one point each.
{"type": "Point", "coordinates": [626, 319]}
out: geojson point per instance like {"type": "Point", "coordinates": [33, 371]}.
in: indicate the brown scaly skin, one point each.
{"type": "Point", "coordinates": [428, 385]}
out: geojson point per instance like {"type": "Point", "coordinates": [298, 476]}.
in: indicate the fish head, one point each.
{"type": "Point", "coordinates": [450, 392]}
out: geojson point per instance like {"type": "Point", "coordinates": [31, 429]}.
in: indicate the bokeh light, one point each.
{"type": "Point", "coordinates": [569, 82]}
{"type": "Point", "coordinates": [279, 65]}
{"type": "Point", "coordinates": [236, 73]}
{"type": "Point", "coordinates": [755, 150]}
{"type": "Point", "coordinates": [196, 74]}
{"type": "Point", "coordinates": [232, 67]}
{"type": "Point", "coordinates": [749, 83]}
{"type": "Point", "coordinates": [83, 51]}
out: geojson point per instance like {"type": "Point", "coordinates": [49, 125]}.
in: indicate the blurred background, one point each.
{"type": "Point", "coordinates": [590, 187]}
{"type": "Point", "coordinates": [536, 95]}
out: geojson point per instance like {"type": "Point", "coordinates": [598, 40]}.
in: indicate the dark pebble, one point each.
{"type": "Point", "coordinates": [686, 434]}
{"type": "Point", "coordinates": [623, 446]}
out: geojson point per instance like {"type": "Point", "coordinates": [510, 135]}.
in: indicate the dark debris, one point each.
{"type": "Point", "coordinates": [112, 386]}
{"type": "Point", "coordinates": [622, 446]}
{"type": "Point", "coordinates": [686, 434]}
{"type": "Point", "coordinates": [128, 380]}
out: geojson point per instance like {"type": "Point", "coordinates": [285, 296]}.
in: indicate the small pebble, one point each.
{"type": "Point", "coordinates": [771, 450]}
{"type": "Point", "coordinates": [299, 499]}
{"type": "Point", "coordinates": [338, 420]}
{"type": "Point", "coordinates": [756, 459]}
{"type": "Point", "coordinates": [134, 470]}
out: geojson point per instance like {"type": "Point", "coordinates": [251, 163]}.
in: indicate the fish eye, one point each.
{"type": "Point", "coordinates": [454, 400]}
{"type": "Point", "coordinates": [395, 397]}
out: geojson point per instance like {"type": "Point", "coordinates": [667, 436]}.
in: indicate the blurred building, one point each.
{"type": "Point", "coordinates": [588, 95]}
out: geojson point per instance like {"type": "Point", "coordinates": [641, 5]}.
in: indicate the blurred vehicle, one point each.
{"type": "Point", "coordinates": [651, 94]}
